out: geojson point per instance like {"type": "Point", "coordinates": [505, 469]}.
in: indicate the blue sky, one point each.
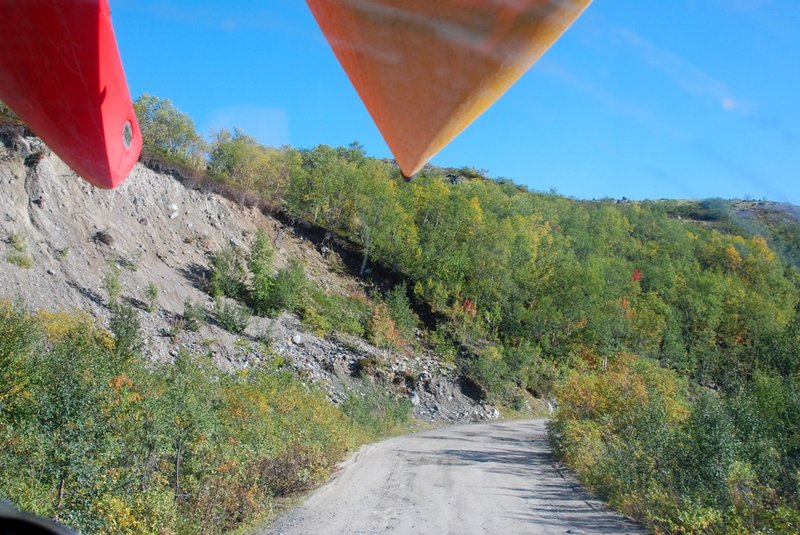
{"type": "Point", "coordinates": [642, 99]}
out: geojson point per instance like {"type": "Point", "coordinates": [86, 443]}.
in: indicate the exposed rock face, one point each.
{"type": "Point", "coordinates": [158, 230]}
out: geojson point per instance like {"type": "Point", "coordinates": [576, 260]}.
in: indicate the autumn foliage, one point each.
{"type": "Point", "coordinates": [107, 442]}
{"type": "Point", "coordinates": [669, 329]}
{"type": "Point", "coordinates": [682, 460]}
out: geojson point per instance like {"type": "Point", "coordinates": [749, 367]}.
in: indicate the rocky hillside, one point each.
{"type": "Point", "coordinates": [59, 236]}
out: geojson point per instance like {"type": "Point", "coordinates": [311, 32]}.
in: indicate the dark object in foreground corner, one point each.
{"type": "Point", "coordinates": [13, 522]}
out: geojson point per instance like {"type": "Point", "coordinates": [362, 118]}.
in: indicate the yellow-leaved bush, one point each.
{"type": "Point", "coordinates": [681, 459]}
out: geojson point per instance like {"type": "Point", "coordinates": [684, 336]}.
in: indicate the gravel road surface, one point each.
{"type": "Point", "coordinates": [496, 478]}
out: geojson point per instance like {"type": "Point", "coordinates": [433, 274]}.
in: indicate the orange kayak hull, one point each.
{"type": "Point", "coordinates": [426, 69]}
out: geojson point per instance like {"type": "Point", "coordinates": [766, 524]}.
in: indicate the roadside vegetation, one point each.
{"type": "Point", "coordinates": [684, 459]}
{"type": "Point", "coordinates": [97, 436]}
{"type": "Point", "coordinates": [667, 331]}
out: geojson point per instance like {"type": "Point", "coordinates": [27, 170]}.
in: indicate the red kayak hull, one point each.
{"type": "Point", "coordinates": [61, 73]}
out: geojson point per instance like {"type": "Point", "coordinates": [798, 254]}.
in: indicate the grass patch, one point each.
{"type": "Point", "coordinates": [17, 242]}
{"type": "Point", "coordinates": [19, 252]}
{"type": "Point", "coordinates": [21, 260]}
{"type": "Point", "coordinates": [377, 412]}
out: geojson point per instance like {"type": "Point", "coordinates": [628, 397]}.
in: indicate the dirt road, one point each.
{"type": "Point", "coordinates": [498, 478]}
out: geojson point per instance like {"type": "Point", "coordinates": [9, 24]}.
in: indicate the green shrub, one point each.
{"type": "Point", "coordinates": [242, 164]}
{"type": "Point", "coordinates": [231, 316]}
{"type": "Point", "coordinates": [227, 273]}
{"type": "Point", "coordinates": [260, 263]}
{"type": "Point", "coordinates": [489, 370]}
{"type": "Point", "coordinates": [710, 450]}
{"type": "Point", "coordinates": [319, 324]}
{"type": "Point", "coordinates": [125, 326]}
{"type": "Point", "coordinates": [152, 297]}
{"type": "Point", "coordinates": [442, 345]}
{"type": "Point", "coordinates": [194, 315]}
{"type": "Point", "coordinates": [289, 289]}
{"type": "Point", "coordinates": [112, 285]}
{"type": "Point", "coordinates": [400, 310]}
{"type": "Point", "coordinates": [541, 377]}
